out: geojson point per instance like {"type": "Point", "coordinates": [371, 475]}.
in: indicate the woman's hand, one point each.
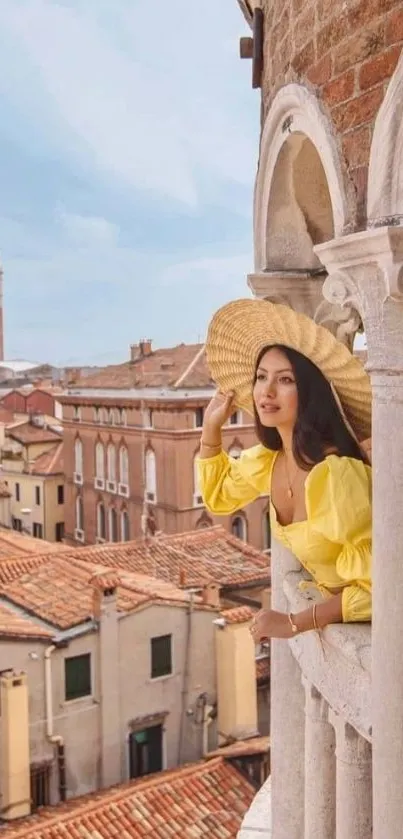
{"type": "Point", "coordinates": [217, 413]}
{"type": "Point", "coordinates": [270, 624]}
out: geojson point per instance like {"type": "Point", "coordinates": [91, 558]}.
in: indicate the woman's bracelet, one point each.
{"type": "Point", "coordinates": [209, 445]}
{"type": "Point", "coordinates": [315, 622]}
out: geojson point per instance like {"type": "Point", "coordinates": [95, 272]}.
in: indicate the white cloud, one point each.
{"type": "Point", "coordinates": [146, 108]}
{"type": "Point", "coordinates": [221, 271]}
{"type": "Point", "coordinates": [86, 231]}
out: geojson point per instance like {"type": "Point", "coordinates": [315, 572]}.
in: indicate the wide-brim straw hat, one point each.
{"type": "Point", "coordinates": [239, 331]}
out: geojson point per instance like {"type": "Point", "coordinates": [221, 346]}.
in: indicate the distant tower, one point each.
{"type": "Point", "coordinates": [1, 317]}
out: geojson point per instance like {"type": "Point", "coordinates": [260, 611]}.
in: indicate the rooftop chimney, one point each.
{"type": "Point", "coordinates": [141, 350]}
{"type": "Point", "coordinates": [14, 759]}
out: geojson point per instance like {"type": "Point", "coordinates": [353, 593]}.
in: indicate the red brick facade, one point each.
{"type": "Point", "coordinates": [174, 440]}
{"type": "Point", "coordinates": [346, 52]}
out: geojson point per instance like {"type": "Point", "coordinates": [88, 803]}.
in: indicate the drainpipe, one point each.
{"type": "Point", "coordinates": [185, 685]}
{"type": "Point", "coordinates": [55, 739]}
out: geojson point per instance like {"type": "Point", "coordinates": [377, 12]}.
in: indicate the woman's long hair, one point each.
{"type": "Point", "coordinates": [320, 427]}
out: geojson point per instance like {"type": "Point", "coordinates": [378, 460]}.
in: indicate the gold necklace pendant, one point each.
{"type": "Point", "coordinates": [290, 493]}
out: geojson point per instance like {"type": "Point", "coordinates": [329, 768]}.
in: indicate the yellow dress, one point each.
{"type": "Point", "coordinates": [334, 543]}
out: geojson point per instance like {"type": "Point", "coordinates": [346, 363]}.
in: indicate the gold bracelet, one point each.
{"type": "Point", "coordinates": [209, 445]}
{"type": "Point", "coordinates": [315, 622]}
{"type": "Point", "coordinates": [293, 624]}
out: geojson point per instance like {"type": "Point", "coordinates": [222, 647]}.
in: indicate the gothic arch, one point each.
{"type": "Point", "coordinates": [385, 176]}
{"type": "Point", "coordinates": [296, 133]}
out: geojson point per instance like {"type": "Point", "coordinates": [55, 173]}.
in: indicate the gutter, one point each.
{"type": "Point", "coordinates": [56, 739]}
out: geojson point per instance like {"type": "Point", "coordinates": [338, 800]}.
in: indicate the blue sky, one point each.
{"type": "Point", "coordinates": [128, 151]}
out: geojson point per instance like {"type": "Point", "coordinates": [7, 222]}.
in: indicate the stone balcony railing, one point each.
{"type": "Point", "coordinates": [321, 729]}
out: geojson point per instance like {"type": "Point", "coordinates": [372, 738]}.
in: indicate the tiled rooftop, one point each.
{"type": "Point", "coordinates": [242, 748]}
{"type": "Point", "coordinates": [27, 433]}
{"type": "Point", "coordinates": [13, 625]}
{"type": "Point", "coordinates": [187, 559]}
{"type": "Point", "coordinates": [60, 590]}
{"type": "Point", "coordinates": [14, 544]}
{"type": "Point", "coordinates": [208, 799]}
{"type": "Point", "coordinates": [162, 368]}
{"type": "Point", "coordinates": [238, 614]}
{"type": "Point", "coordinates": [50, 462]}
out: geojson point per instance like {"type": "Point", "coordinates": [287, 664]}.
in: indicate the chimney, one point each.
{"type": "Point", "coordinates": [140, 350]}
{"type": "Point", "coordinates": [73, 375]}
{"type": "Point", "coordinates": [236, 682]}
{"type": "Point", "coordinates": [105, 597]}
{"type": "Point", "coordinates": [211, 595]}
{"type": "Point", "coordinates": [15, 792]}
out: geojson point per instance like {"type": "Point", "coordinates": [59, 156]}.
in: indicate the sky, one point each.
{"type": "Point", "coordinates": [128, 152]}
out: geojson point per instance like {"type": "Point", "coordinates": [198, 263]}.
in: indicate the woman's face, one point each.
{"type": "Point", "coordinates": [275, 391]}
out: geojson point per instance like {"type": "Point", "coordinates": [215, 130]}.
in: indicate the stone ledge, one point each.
{"type": "Point", "coordinates": [257, 822]}
{"type": "Point", "coordinates": [340, 666]}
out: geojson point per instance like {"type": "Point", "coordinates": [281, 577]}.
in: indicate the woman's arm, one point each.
{"type": "Point", "coordinates": [271, 624]}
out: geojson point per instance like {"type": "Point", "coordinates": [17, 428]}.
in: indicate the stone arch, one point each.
{"type": "Point", "coordinates": [385, 175]}
{"type": "Point", "coordinates": [300, 173]}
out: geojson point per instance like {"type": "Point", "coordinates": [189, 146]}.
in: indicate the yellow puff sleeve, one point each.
{"type": "Point", "coordinates": [339, 506]}
{"type": "Point", "coordinates": [228, 484]}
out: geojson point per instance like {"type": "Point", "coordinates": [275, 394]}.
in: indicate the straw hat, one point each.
{"type": "Point", "coordinates": [240, 330]}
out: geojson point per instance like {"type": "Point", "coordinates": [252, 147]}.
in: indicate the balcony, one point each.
{"type": "Point", "coordinates": [321, 726]}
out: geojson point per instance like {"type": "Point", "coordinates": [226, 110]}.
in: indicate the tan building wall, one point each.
{"type": "Point", "coordinates": [175, 440]}
{"type": "Point", "coordinates": [48, 513]}
{"type": "Point", "coordinates": [79, 722]}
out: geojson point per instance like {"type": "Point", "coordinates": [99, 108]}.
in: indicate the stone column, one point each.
{"type": "Point", "coordinates": [368, 272]}
{"type": "Point", "coordinates": [286, 717]}
{"type": "Point", "coordinates": [320, 767]}
{"type": "Point", "coordinates": [353, 782]}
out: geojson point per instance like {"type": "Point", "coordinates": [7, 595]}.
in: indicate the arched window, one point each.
{"type": "Point", "coordinates": [79, 513]}
{"type": "Point", "coordinates": [78, 457]}
{"type": "Point", "coordinates": [101, 521]}
{"type": "Point", "coordinates": [100, 461]}
{"type": "Point", "coordinates": [104, 416]}
{"type": "Point", "coordinates": [238, 528]}
{"type": "Point", "coordinates": [235, 452]}
{"type": "Point", "coordinates": [116, 416]}
{"type": "Point", "coordinates": [110, 417]}
{"type": "Point", "coordinates": [123, 466]}
{"type": "Point", "coordinates": [111, 457]}
{"type": "Point", "coordinates": [124, 526]}
{"type": "Point", "coordinates": [97, 415]}
{"type": "Point", "coordinates": [204, 521]}
{"type": "Point", "coordinates": [123, 416]}
{"type": "Point", "coordinates": [197, 496]}
{"type": "Point", "coordinates": [113, 525]}
{"type": "Point", "coordinates": [151, 475]}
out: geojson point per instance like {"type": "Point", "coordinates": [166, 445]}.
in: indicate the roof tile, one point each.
{"type": "Point", "coordinates": [205, 799]}
{"type": "Point", "coordinates": [28, 433]}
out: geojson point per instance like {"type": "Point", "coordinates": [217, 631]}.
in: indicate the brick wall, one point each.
{"type": "Point", "coordinates": [345, 50]}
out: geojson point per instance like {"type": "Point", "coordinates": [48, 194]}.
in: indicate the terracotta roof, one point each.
{"type": "Point", "coordinates": [26, 433]}
{"type": "Point", "coordinates": [59, 589]}
{"type": "Point", "coordinates": [161, 368]}
{"type": "Point", "coordinates": [208, 799]}
{"type": "Point", "coordinates": [50, 462]}
{"type": "Point", "coordinates": [13, 625]}
{"type": "Point", "coordinates": [186, 559]}
{"type": "Point", "coordinates": [242, 748]}
{"type": "Point", "coordinates": [238, 614]}
{"type": "Point", "coordinates": [14, 544]}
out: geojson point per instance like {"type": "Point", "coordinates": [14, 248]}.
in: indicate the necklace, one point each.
{"type": "Point", "coordinates": [290, 484]}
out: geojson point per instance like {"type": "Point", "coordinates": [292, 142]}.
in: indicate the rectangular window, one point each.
{"type": "Point", "coordinates": [199, 416]}
{"type": "Point", "coordinates": [37, 530]}
{"type": "Point", "coordinates": [40, 785]}
{"type": "Point", "coordinates": [235, 419]}
{"type": "Point", "coordinates": [161, 656]}
{"type": "Point", "coordinates": [145, 751]}
{"type": "Point", "coordinates": [16, 524]}
{"type": "Point", "coordinates": [77, 674]}
{"type": "Point", "coordinates": [59, 531]}
{"type": "Point", "coordinates": [60, 494]}
{"type": "Point", "coordinates": [37, 496]}
{"type": "Point", "coordinates": [17, 492]}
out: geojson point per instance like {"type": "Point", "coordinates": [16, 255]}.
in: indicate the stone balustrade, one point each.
{"type": "Point", "coordinates": [327, 742]}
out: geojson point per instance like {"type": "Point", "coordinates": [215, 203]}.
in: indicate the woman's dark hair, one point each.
{"type": "Point", "coordinates": [320, 428]}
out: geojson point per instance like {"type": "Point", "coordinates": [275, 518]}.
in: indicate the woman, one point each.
{"type": "Point", "coordinates": [312, 403]}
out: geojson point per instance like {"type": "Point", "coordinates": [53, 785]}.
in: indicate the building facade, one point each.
{"type": "Point", "coordinates": [328, 241]}
{"type": "Point", "coordinates": [131, 438]}
{"type": "Point", "coordinates": [33, 475]}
